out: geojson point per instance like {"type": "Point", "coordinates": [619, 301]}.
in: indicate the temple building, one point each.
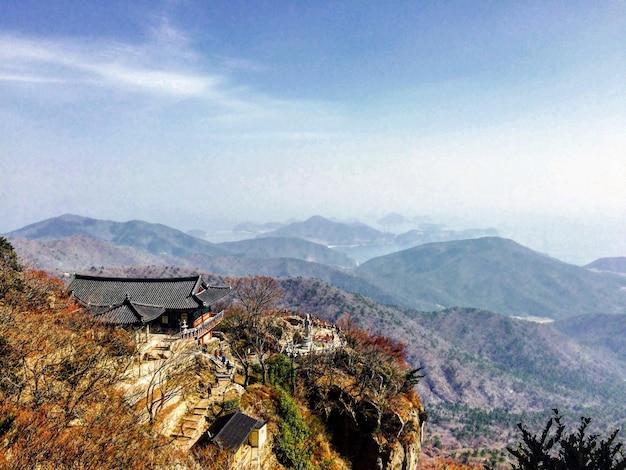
{"type": "Point", "coordinates": [182, 304]}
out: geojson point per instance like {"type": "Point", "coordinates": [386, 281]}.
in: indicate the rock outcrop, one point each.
{"type": "Point", "coordinates": [373, 436]}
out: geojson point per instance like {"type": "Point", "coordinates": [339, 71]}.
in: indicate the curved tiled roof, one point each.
{"type": "Point", "coordinates": [212, 294]}
{"type": "Point", "coordinates": [129, 313]}
{"type": "Point", "coordinates": [181, 293]}
{"type": "Point", "coordinates": [141, 300]}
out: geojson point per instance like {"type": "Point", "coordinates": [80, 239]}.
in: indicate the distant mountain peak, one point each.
{"type": "Point", "coordinates": [69, 218]}
{"type": "Point", "coordinates": [393, 219]}
{"type": "Point", "coordinates": [153, 238]}
{"type": "Point", "coordinates": [495, 273]}
{"type": "Point", "coordinates": [616, 264]}
{"type": "Point", "coordinates": [321, 230]}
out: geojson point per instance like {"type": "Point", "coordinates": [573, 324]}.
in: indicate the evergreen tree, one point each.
{"type": "Point", "coordinates": [553, 449]}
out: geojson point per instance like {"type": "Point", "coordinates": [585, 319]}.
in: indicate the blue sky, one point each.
{"type": "Point", "coordinates": [499, 114]}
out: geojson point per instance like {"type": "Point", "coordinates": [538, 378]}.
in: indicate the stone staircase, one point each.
{"type": "Point", "coordinates": [193, 424]}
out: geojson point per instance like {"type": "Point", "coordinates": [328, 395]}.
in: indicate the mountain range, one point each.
{"type": "Point", "coordinates": [156, 239]}
{"type": "Point", "coordinates": [496, 274]}
{"type": "Point", "coordinates": [360, 241]}
{"type": "Point", "coordinates": [488, 273]}
{"type": "Point", "coordinates": [455, 305]}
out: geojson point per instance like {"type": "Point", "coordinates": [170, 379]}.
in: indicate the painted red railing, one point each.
{"type": "Point", "coordinates": [202, 319]}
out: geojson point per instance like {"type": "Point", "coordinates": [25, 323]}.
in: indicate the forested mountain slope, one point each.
{"type": "Point", "coordinates": [81, 253]}
{"type": "Point", "coordinates": [489, 273]}
{"type": "Point", "coordinates": [496, 274]}
{"type": "Point", "coordinates": [153, 238]}
{"type": "Point", "coordinates": [287, 247]}
{"type": "Point", "coordinates": [479, 366]}
{"type": "Point", "coordinates": [606, 333]}
{"type": "Point", "coordinates": [484, 371]}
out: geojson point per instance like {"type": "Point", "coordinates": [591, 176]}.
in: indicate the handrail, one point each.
{"type": "Point", "coordinates": [203, 328]}
{"type": "Point", "coordinates": [201, 319]}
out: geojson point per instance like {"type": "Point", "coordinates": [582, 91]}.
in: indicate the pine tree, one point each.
{"type": "Point", "coordinates": [576, 451]}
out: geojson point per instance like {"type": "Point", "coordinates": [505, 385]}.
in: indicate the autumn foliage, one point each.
{"type": "Point", "coordinates": [66, 400]}
{"type": "Point", "coordinates": [59, 407]}
{"type": "Point", "coordinates": [377, 362]}
{"type": "Point", "coordinates": [442, 464]}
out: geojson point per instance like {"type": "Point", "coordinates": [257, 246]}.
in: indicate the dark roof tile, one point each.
{"type": "Point", "coordinates": [141, 300]}
{"type": "Point", "coordinates": [182, 293]}
{"type": "Point", "coordinates": [212, 294]}
{"type": "Point", "coordinates": [129, 313]}
{"type": "Point", "coordinates": [236, 431]}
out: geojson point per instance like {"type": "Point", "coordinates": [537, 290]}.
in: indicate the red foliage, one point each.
{"type": "Point", "coordinates": [360, 338]}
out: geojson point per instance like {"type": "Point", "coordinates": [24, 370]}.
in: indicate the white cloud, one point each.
{"type": "Point", "coordinates": [165, 69]}
{"type": "Point", "coordinates": [105, 64]}
{"type": "Point", "coordinates": [155, 81]}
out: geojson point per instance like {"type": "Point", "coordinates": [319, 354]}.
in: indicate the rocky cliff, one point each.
{"type": "Point", "coordinates": [374, 437]}
{"type": "Point", "coordinates": [364, 393]}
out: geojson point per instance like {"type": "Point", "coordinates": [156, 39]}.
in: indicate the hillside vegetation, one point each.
{"type": "Point", "coordinates": [603, 333]}
{"type": "Point", "coordinates": [72, 394]}
{"type": "Point", "coordinates": [484, 372]}
{"type": "Point", "coordinates": [58, 405]}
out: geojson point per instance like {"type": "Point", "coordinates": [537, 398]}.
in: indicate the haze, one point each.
{"type": "Point", "coordinates": [477, 114]}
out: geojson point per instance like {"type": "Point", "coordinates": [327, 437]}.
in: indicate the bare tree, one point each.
{"type": "Point", "coordinates": [257, 294]}
{"type": "Point", "coordinates": [169, 377]}
{"type": "Point", "coordinates": [251, 321]}
{"type": "Point", "coordinates": [60, 400]}
{"type": "Point", "coordinates": [264, 339]}
{"type": "Point", "coordinates": [253, 334]}
{"type": "Point", "coordinates": [237, 323]}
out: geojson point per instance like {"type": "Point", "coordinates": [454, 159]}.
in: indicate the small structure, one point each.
{"type": "Point", "coordinates": [182, 304]}
{"type": "Point", "coordinates": [307, 331]}
{"type": "Point", "coordinates": [241, 434]}
{"type": "Point", "coordinates": [317, 337]}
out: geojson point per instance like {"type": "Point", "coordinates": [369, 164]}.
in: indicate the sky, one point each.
{"type": "Point", "coordinates": [196, 114]}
